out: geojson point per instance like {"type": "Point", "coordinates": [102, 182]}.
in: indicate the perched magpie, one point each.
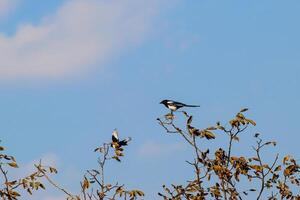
{"type": "Point", "coordinates": [116, 143]}
{"type": "Point", "coordinates": [174, 105]}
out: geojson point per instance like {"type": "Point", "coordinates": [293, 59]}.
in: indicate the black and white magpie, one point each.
{"type": "Point", "coordinates": [174, 105]}
{"type": "Point", "coordinates": [116, 143]}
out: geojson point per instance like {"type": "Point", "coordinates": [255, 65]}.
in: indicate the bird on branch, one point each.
{"type": "Point", "coordinates": [174, 105]}
{"type": "Point", "coordinates": [116, 143]}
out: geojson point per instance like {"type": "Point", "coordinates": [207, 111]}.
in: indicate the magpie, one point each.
{"type": "Point", "coordinates": [174, 105]}
{"type": "Point", "coordinates": [116, 143]}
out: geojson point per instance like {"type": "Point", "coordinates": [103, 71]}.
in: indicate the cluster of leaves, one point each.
{"type": "Point", "coordinates": [218, 175]}
{"type": "Point", "coordinates": [117, 150]}
{"type": "Point", "coordinates": [94, 187]}
{"type": "Point", "coordinates": [10, 189]}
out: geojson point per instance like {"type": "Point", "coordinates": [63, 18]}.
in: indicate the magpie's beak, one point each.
{"type": "Point", "coordinates": [161, 102]}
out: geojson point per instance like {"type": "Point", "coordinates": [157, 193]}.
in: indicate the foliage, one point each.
{"type": "Point", "coordinates": [218, 175]}
{"type": "Point", "coordinates": [93, 185]}
{"type": "Point", "coordinates": [10, 189]}
{"type": "Point", "coordinates": [96, 178]}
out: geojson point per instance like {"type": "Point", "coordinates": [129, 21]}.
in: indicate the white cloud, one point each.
{"type": "Point", "coordinates": [154, 148]}
{"type": "Point", "coordinates": [6, 6]}
{"type": "Point", "coordinates": [81, 34]}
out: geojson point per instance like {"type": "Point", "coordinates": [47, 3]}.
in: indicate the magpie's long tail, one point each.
{"type": "Point", "coordinates": [191, 106]}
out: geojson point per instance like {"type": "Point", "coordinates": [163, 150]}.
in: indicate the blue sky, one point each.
{"type": "Point", "coordinates": [72, 71]}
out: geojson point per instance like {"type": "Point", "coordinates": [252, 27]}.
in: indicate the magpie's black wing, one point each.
{"type": "Point", "coordinates": [179, 104]}
{"type": "Point", "coordinates": [124, 142]}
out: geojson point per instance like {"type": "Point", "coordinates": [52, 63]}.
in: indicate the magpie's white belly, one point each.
{"type": "Point", "coordinates": [173, 108]}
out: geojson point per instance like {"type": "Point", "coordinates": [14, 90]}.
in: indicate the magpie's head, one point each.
{"type": "Point", "coordinates": [165, 102]}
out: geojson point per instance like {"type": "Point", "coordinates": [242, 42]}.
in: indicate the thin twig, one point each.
{"type": "Point", "coordinates": [53, 183]}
